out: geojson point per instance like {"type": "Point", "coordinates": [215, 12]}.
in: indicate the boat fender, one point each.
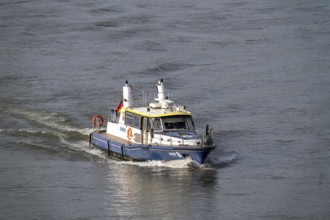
{"type": "Point", "coordinates": [97, 121]}
{"type": "Point", "coordinates": [129, 133]}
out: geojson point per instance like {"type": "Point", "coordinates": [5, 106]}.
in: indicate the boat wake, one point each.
{"type": "Point", "coordinates": [223, 160]}
{"type": "Point", "coordinates": [175, 164]}
{"type": "Point", "coordinates": [30, 133]}
{"type": "Point", "coordinates": [57, 132]}
{"type": "Point", "coordinates": [50, 120]}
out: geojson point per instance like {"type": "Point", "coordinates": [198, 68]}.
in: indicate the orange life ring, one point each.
{"type": "Point", "coordinates": [129, 133]}
{"type": "Point", "coordinates": [97, 121]}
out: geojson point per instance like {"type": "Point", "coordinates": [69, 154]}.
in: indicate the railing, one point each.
{"type": "Point", "coordinates": [161, 139]}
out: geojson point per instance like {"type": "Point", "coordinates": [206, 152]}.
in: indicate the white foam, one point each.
{"type": "Point", "coordinates": [83, 146]}
{"type": "Point", "coordinates": [85, 131]}
{"type": "Point", "coordinates": [24, 132]}
{"type": "Point", "coordinates": [176, 164]}
{"type": "Point", "coordinates": [52, 120]}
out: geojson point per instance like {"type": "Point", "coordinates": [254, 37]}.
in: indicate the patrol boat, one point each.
{"type": "Point", "coordinates": [158, 131]}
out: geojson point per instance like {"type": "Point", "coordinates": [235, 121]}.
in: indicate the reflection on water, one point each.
{"type": "Point", "coordinates": [161, 192]}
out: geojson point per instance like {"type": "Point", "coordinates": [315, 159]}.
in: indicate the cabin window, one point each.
{"type": "Point", "coordinates": [178, 123]}
{"type": "Point", "coordinates": [190, 123]}
{"type": "Point", "coordinates": [129, 119]}
{"type": "Point", "coordinates": [133, 120]}
{"type": "Point", "coordinates": [156, 124]}
{"type": "Point", "coordinates": [136, 121]}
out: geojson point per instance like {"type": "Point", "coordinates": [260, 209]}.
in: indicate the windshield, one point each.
{"type": "Point", "coordinates": [178, 123]}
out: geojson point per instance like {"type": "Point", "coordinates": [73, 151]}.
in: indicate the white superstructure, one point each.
{"type": "Point", "coordinates": [160, 123]}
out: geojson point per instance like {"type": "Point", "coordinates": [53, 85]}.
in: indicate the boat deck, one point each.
{"type": "Point", "coordinates": [112, 137]}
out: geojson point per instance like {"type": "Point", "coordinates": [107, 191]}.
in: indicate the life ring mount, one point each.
{"type": "Point", "coordinates": [97, 121]}
{"type": "Point", "coordinates": [129, 133]}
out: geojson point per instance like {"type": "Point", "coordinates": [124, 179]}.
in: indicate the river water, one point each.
{"type": "Point", "coordinates": [257, 71]}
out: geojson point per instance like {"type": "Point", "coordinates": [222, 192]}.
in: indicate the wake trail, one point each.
{"type": "Point", "coordinates": [51, 120]}
{"type": "Point", "coordinates": [74, 138]}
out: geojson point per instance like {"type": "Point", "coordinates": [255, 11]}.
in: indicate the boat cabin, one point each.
{"type": "Point", "coordinates": [160, 123]}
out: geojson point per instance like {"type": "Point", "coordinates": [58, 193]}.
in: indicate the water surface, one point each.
{"type": "Point", "coordinates": [256, 71]}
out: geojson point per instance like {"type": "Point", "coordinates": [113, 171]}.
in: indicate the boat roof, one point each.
{"type": "Point", "coordinates": [160, 107]}
{"type": "Point", "coordinates": [156, 112]}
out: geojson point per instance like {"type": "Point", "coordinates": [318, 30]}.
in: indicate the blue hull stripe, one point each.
{"type": "Point", "coordinates": [143, 152]}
